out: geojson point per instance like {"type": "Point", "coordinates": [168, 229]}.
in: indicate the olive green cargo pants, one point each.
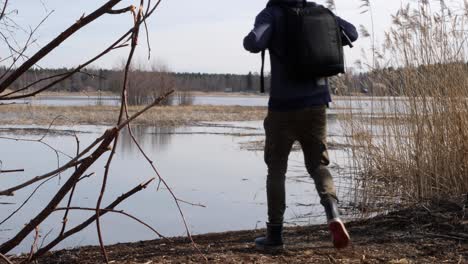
{"type": "Point", "coordinates": [308, 127]}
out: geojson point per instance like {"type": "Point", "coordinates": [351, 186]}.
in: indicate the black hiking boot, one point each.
{"type": "Point", "coordinates": [340, 236]}
{"type": "Point", "coordinates": [273, 241]}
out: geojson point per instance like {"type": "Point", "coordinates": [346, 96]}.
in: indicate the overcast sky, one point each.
{"type": "Point", "coordinates": [188, 35]}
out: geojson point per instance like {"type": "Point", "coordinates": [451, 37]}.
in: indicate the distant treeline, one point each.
{"type": "Point", "coordinates": [382, 82]}
{"type": "Point", "coordinates": [110, 80]}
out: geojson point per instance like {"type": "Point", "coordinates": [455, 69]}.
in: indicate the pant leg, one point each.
{"type": "Point", "coordinates": [278, 144]}
{"type": "Point", "coordinates": [312, 134]}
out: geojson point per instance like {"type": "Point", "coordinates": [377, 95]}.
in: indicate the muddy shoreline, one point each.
{"type": "Point", "coordinates": [423, 234]}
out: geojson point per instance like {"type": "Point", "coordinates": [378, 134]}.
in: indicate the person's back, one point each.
{"type": "Point", "coordinates": [285, 92]}
{"type": "Point", "coordinates": [296, 112]}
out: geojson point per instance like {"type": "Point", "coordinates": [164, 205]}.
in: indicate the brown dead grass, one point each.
{"type": "Point", "coordinates": [106, 115]}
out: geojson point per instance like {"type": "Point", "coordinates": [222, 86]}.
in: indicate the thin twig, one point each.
{"type": "Point", "coordinates": [101, 144]}
{"type": "Point", "coordinates": [112, 47]}
{"type": "Point", "coordinates": [5, 259]}
{"type": "Point", "coordinates": [11, 171]}
{"type": "Point", "coordinates": [161, 179]}
{"type": "Point", "coordinates": [90, 220]}
{"type": "Point", "coordinates": [65, 215]}
{"type": "Point", "coordinates": [109, 137]}
{"type": "Point", "coordinates": [26, 201]}
{"type": "Point", "coordinates": [57, 41]}
{"type": "Point", "coordinates": [122, 10]}
{"type": "Point", "coordinates": [71, 163]}
{"type": "Point", "coordinates": [111, 156]}
{"type": "Point", "coordinates": [3, 9]}
{"type": "Point", "coordinates": [25, 46]}
{"type": "Point", "coordinates": [34, 244]}
{"type": "Point", "coordinates": [112, 211]}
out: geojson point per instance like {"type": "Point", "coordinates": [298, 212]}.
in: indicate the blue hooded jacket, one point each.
{"type": "Point", "coordinates": [287, 94]}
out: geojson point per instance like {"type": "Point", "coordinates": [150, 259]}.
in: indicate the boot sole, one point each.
{"type": "Point", "coordinates": [339, 234]}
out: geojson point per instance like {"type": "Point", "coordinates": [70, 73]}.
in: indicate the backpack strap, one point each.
{"type": "Point", "coordinates": [262, 74]}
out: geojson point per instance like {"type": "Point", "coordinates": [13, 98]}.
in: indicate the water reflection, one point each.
{"type": "Point", "coordinates": [203, 164]}
{"type": "Point", "coordinates": [157, 138]}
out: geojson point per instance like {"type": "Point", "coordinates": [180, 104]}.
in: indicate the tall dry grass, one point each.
{"type": "Point", "coordinates": [416, 149]}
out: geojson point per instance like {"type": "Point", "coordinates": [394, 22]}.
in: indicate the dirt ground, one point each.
{"type": "Point", "coordinates": [424, 234]}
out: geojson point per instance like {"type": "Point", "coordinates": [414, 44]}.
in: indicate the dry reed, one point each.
{"type": "Point", "coordinates": [416, 149]}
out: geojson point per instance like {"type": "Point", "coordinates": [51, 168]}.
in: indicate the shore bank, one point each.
{"type": "Point", "coordinates": [424, 234]}
{"type": "Point", "coordinates": [107, 115]}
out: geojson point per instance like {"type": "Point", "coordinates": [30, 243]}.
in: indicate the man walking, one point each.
{"type": "Point", "coordinates": [296, 112]}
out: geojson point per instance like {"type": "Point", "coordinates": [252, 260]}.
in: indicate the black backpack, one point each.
{"type": "Point", "coordinates": [313, 45]}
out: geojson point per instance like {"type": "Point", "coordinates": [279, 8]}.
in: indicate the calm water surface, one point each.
{"type": "Point", "coordinates": [204, 165]}
{"type": "Point", "coordinates": [356, 105]}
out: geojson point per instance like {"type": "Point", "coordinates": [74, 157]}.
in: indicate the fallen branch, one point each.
{"type": "Point", "coordinates": [90, 220]}
{"type": "Point", "coordinates": [5, 259]}
{"type": "Point", "coordinates": [72, 163]}
{"type": "Point", "coordinates": [109, 137]}
{"type": "Point", "coordinates": [112, 211]}
{"type": "Point", "coordinates": [11, 191]}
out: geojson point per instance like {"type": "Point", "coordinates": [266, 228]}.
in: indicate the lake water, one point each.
{"type": "Point", "coordinates": [205, 164]}
{"type": "Point", "coordinates": [359, 104]}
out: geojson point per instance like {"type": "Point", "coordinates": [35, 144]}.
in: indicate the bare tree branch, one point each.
{"type": "Point", "coordinates": [25, 201]}
{"type": "Point", "coordinates": [123, 10]}
{"type": "Point", "coordinates": [77, 160]}
{"type": "Point", "coordinates": [11, 171]}
{"type": "Point", "coordinates": [34, 244]}
{"type": "Point", "coordinates": [5, 259]}
{"type": "Point", "coordinates": [86, 158]}
{"type": "Point", "coordinates": [28, 42]}
{"type": "Point", "coordinates": [11, 191]}
{"type": "Point", "coordinates": [56, 42]}
{"type": "Point", "coordinates": [89, 221]}
{"type": "Point", "coordinates": [3, 9]}
{"type": "Point", "coordinates": [113, 211]}
{"type": "Point", "coordinates": [122, 107]}
{"type": "Point", "coordinates": [109, 137]}
{"type": "Point", "coordinates": [65, 215]}
{"type": "Point", "coordinates": [148, 13]}
{"type": "Point", "coordinates": [67, 75]}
